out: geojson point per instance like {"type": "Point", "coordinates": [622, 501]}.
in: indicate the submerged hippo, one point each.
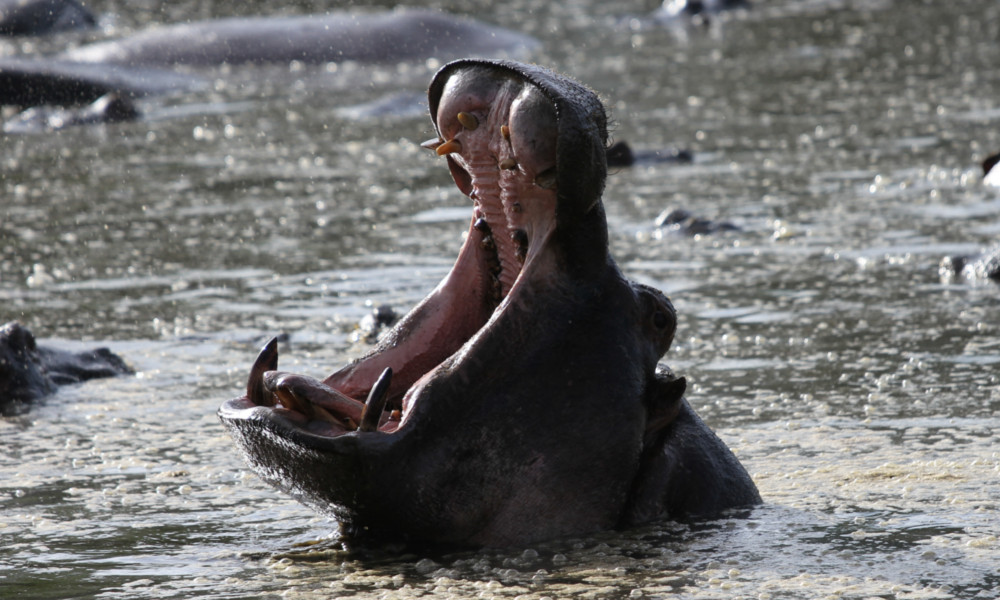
{"type": "Point", "coordinates": [621, 154]}
{"type": "Point", "coordinates": [143, 64]}
{"type": "Point", "coordinates": [521, 400]}
{"type": "Point", "coordinates": [41, 81]}
{"type": "Point", "coordinates": [991, 175]}
{"type": "Point", "coordinates": [984, 266]}
{"type": "Point", "coordinates": [28, 371]}
{"type": "Point", "coordinates": [109, 108]}
{"type": "Point", "coordinates": [39, 17]}
{"type": "Point", "coordinates": [690, 8]}
{"type": "Point", "coordinates": [399, 35]}
{"type": "Point", "coordinates": [680, 220]}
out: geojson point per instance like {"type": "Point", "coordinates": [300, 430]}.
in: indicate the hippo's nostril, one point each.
{"type": "Point", "coordinates": [660, 320]}
{"type": "Point", "coordinates": [468, 121]}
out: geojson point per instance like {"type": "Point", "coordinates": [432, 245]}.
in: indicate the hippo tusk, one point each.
{"type": "Point", "coordinates": [375, 404]}
{"type": "Point", "coordinates": [449, 147]}
{"type": "Point", "coordinates": [267, 360]}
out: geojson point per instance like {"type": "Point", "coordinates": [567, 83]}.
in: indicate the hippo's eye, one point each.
{"type": "Point", "coordinates": [660, 320]}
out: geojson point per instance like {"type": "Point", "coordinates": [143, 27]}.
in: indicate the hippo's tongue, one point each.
{"type": "Point", "coordinates": [313, 403]}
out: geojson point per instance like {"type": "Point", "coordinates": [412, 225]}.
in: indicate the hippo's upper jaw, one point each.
{"type": "Point", "coordinates": [520, 400]}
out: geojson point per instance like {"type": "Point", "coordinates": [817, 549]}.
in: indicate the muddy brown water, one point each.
{"type": "Point", "coordinates": [859, 389]}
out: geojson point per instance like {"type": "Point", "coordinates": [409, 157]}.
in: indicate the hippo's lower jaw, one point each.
{"type": "Point", "coordinates": [520, 400]}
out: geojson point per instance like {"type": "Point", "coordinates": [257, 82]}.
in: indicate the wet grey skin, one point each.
{"type": "Point", "coordinates": [525, 401]}
{"type": "Point", "coordinates": [387, 37]}
{"type": "Point", "coordinates": [30, 82]}
{"type": "Point", "coordinates": [986, 264]}
{"type": "Point", "coordinates": [29, 371]}
{"type": "Point", "coordinates": [110, 108]}
{"type": "Point", "coordinates": [41, 17]}
{"type": "Point", "coordinates": [142, 64]}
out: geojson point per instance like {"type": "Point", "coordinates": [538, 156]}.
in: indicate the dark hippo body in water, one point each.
{"type": "Point", "coordinates": [991, 175]}
{"type": "Point", "coordinates": [985, 265]}
{"type": "Point", "coordinates": [39, 17]}
{"type": "Point", "coordinates": [109, 108]}
{"type": "Point", "coordinates": [28, 371]}
{"type": "Point", "coordinates": [683, 221]}
{"type": "Point", "coordinates": [400, 35]}
{"type": "Point", "coordinates": [144, 64]}
{"type": "Point", "coordinates": [972, 267]}
{"type": "Point", "coordinates": [679, 8]}
{"type": "Point", "coordinates": [522, 399]}
{"type": "Point", "coordinates": [621, 154]}
{"type": "Point", "coordinates": [33, 82]}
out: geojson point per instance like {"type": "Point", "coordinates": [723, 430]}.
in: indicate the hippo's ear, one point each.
{"type": "Point", "coordinates": [663, 404]}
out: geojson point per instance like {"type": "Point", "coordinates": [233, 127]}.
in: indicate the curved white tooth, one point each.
{"type": "Point", "coordinates": [432, 143]}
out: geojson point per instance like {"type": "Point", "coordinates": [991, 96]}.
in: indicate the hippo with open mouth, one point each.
{"type": "Point", "coordinates": [521, 400]}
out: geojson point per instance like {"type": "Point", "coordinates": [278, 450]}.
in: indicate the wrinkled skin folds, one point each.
{"type": "Point", "coordinates": [522, 399]}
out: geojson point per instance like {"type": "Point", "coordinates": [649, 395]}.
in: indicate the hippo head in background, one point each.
{"type": "Point", "coordinates": [29, 371]}
{"type": "Point", "coordinates": [22, 375]}
{"type": "Point", "coordinates": [521, 400]}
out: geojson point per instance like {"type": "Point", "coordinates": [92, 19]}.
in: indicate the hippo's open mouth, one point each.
{"type": "Point", "coordinates": [521, 400]}
{"type": "Point", "coordinates": [499, 135]}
